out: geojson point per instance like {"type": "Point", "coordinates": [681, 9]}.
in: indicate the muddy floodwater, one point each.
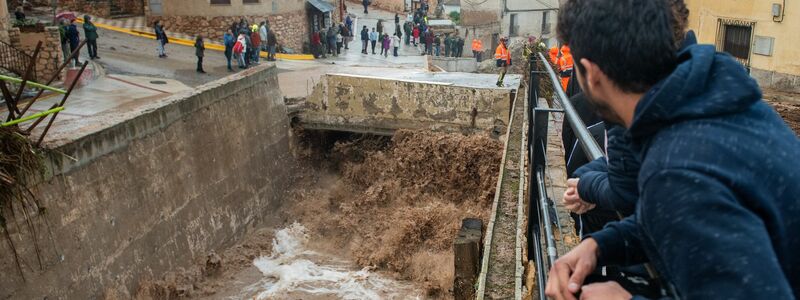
{"type": "Point", "coordinates": [368, 217]}
{"type": "Point", "coordinates": [293, 271]}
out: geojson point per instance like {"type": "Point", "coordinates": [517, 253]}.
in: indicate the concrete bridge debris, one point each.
{"type": "Point", "coordinates": [383, 103]}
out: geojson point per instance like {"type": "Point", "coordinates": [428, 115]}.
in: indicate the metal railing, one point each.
{"type": "Point", "coordinates": [14, 60]}
{"type": "Point", "coordinates": [542, 215]}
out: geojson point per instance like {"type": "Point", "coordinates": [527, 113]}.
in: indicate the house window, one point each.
{"type": "Point", "coordinates": [513, 27]}
{"type": "Point", "coordinates": [545, 22]}
{"type": "Point", "coordinates": [221, 2]}
{"type": "Point", "coordinates": [735, 37]}
{"type": "Point", "coordinates": [250, 1]}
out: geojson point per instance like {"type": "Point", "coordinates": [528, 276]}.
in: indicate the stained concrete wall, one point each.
{"type": "Point", "coordinates": [186, 176]}
{"type": "Point", "coordinates": [454, 64]}
{"type": "Point", "coordinates": [382, 105]}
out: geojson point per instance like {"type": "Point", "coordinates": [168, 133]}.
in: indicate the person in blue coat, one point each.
{"type": "Point", "coordinates": [717, 215]}
{"type": "Point", "coordinates": [74, 38]}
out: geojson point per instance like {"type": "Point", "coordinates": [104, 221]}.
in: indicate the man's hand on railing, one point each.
{"type": "Point", "coordinates": [572, 201]}
{"type": "Point", "coordinates": [568, 273]}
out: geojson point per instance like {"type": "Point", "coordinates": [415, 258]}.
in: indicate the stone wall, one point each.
{"type": "Point", "coordinates": [395, 6]}
{"type": "Point", "coordinates": [382, 105]}
{"type": "Point", "coordinates": [50, 56]}
{"type": "Point", "coordinates": [132, 7]}
{"type": "Point", "coordinates": [184, 176]}
{"type": "Point", "coordinates": [95, 8]}
{"type": "Point", "coordinates": [290, 28]}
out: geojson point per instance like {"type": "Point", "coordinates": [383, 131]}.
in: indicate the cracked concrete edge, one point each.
{"type": "Point", "coordinates": [487, 239]}
{"type": "Point", "coordinates": [521, 217]}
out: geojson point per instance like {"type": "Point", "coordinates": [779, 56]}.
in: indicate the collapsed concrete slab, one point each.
{"type": "Point", "coordinates": [407, 99]}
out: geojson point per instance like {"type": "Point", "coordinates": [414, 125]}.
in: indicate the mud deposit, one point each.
{"type": "Point", "coordinates": [378, 216]}
{"type": "Point", "coordinates": [787, 105]}
{"type": "Point", "coordinates": [397, 206]}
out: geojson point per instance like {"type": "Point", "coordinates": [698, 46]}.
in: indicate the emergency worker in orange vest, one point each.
{"type": "Point", "coordinates": [503, 58]}
{"type": "Point", "coordinates": [566, 64]}
{"type": "Point", "coordinates": [554, 55]}
{"type": "Point", "coordinates": [477, 49]}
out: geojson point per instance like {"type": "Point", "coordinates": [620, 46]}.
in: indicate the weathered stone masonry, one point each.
{"type": "Point", "coordinates": [50, 56]}
{"type": "Point", "coordinates": [291, 28]}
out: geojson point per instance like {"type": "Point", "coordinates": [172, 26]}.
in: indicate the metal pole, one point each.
{"type": "Point", "coordinates": [552, 255]}
{"type": "Point", "coordinates": [589, 145]}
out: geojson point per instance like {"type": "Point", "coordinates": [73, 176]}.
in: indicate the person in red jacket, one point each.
{"type": "Point", "coordinates": [255, 38]}
{"type": "Point", "coordinates": [415, 33]}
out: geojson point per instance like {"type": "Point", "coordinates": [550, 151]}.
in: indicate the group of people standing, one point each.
{"type": "Point", "coordinates": [243, 42]}
{"type": "Point", "coordinates": [378, 36]}
{"type": "Point", "coordinates": [331, 40]}
{"type": "Point", "coordinates": [71, 38]}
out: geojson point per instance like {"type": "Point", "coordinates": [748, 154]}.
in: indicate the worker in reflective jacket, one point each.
{"type": "Point", "coordinates": [477, 48]}
{"type": "Point", "coordinates": [566, 64]}
{"type": "Point", "coordinates": [554, 55]}
{"type": "Point", "coordinates": [503, 60]}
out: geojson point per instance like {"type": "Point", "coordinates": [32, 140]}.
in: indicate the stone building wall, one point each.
{"type": "Point", "coordinates": [290, 28]}
{"type": "Point", "coordinates": [396, 6]}
{"type": "Point", "coordinates": [133, 7]}
{"type": "Point", "coordinates": [95, 8]}
{"type": "Point", "coordinates": [50, 57]}
{"type": "Point", "coordinates": [4, 21]}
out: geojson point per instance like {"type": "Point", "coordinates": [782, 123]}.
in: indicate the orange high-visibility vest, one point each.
{"type": "Point", "coordinates": [554, 55]}
{"type": "Point", "coordinates": [502, 53]}
{"type": "Point", "coordinates": [477, 45]}
{"type": "Point", "coordinates": [566, 62]}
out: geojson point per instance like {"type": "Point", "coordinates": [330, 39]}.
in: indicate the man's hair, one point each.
{"type": "Point", "coordinates": [631, 41]}
{"type": "Point", "coordinates": [680, 20]}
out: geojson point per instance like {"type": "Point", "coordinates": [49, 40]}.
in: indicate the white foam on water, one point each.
{"type": "Point", "coordinates": [294, 270]}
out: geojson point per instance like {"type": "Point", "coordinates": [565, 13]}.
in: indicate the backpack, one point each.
{"type": "Point", "coordinates": [238, 47]}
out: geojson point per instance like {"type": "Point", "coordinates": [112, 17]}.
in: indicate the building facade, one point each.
{"type": "Point", "coordinates": [524, 18]}
{"type": "Point", "coordinates": [761, 34]}
{"type": "Point", "coordinates": [291, 20]}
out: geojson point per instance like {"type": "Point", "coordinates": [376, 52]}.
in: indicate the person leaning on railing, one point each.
{"type": "Point", "coordinates": [717, 214]}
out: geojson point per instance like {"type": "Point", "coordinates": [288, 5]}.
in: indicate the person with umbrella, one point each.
{"type": "Point", "coordinates": [90, 31]}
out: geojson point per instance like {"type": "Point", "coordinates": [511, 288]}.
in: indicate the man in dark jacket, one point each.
{"type": "Point", "coordinates": [74, 39]}
{"type": "Point", "coordinates": [364, 39]}
{"type": "Point", "coordinates": [90, 32]}
{"type": "Point", "coordinates": [272, 43]}
{"type": "Point", "coordinates": [717, 214]}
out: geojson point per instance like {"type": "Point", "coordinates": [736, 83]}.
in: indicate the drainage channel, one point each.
{"type": "Point", "coordinates": [501, 266]}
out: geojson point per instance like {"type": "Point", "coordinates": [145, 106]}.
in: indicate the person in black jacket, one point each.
{"type": "Point", "coordinates": [161, 39]}
{"type": "Point", "coordinates": [272, 43]}
{"type": "Point", "coordinates": [364, 39]}
{"type": "Point", "coordinates": [199, 49]}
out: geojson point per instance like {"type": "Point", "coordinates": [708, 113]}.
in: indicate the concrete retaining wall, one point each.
{"type": "Point", "coordinates": [382, 105]}
{"type": "Point", "coordinates": [454, 64]}
{"type": "Point", "coordinates": [157, 192]}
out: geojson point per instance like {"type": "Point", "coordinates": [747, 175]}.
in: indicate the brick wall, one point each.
{"type": "Point", "coordinates": [290, 28]}
{"type": "Point", "coordinates": [95, 8]}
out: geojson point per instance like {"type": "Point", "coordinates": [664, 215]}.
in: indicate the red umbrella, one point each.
{"type": "Point", "coordinates": [69, 16]}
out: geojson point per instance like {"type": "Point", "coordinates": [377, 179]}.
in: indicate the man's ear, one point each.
{"type": "Point", "coordinates": [591, 73]}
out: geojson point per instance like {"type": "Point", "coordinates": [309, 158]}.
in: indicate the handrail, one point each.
{"type": "Point", "coordinates": [588, 143]}
{"type": "Point", "coordinates": [13, 59]}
